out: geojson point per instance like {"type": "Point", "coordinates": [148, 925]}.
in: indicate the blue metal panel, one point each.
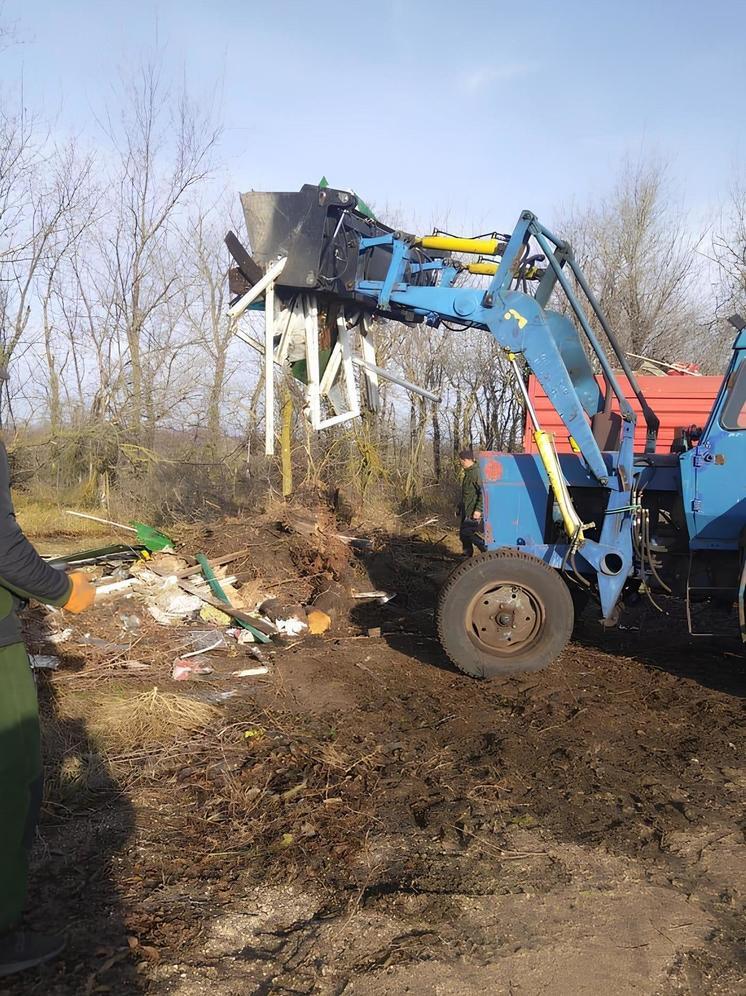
{"type": "Point", "coordinates": [516, 499]}
{"type": "Point", "coordinates": [714, 486]}
{"type": "Point", "coordinates": [576, 360]}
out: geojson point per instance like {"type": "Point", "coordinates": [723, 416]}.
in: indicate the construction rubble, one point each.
{"type": "Point", "coordinates": [163, 604]}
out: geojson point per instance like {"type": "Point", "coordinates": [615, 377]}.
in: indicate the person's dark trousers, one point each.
{"type": "Point", "coordinates": [470, 538]}
{"type": "Point", "coordinates": [20, 778]}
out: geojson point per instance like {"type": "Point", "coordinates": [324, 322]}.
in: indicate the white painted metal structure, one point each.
{"type": "Point", "coordinates": [298, 330]}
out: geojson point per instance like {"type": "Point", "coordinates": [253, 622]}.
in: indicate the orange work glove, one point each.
{"type": "Point", "coordinates": [82, 595]}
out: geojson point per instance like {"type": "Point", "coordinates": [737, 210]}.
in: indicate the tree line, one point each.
{"type": "Point", "coordinates": [122, 380]}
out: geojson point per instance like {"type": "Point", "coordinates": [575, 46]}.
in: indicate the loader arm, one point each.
{"type": "Point", "coordinates": [322, 247]}
{"type": "Point", "coordinates": [523, 326]}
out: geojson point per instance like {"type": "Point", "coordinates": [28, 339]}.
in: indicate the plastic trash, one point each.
{"type": "Point", "coordinates": [210, 614]}
{"type": "Point", "coordinates": [184, 670]}
{"type": "Point", "coordinates": [201, 640]}
{"type": "Point", "coordinates": [318, 622]}
{"type": "Point", "coordinates": [250, 672]}
{"type": "Point", "coordinates": [131, 624]}
{"type": "Point", "coordinates": [106, 645]}
{"type": "Point", "coordinates": [215, 696]}
{"type": "Point", "coordinates": [291, 626]}
{"type": "Point", "coordinates": [44, 662]}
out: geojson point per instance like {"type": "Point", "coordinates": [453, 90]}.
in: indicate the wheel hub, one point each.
{"type": "Point", "coordinates": [504, 618]}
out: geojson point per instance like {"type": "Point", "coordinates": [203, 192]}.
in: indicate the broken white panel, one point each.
{"type": "Point", "coordinates": [368, 350]}
{"type": "Point", "coordinates": [337, 420]}
{"type": "Point", "coordinates": [343, 337]}
{"type": "Point", "coordinates": [292, 324]}
{"type": "Point", "coordinates": [332, 369]}
{"type": "Point", "coordinates": [341, 357]}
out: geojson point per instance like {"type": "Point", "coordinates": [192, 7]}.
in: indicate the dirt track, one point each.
{"type": "Point", "coordinates": [390, 826]}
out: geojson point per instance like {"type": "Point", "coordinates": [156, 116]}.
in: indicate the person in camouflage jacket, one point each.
{"type": "Point", "coordinates": [471, 505]}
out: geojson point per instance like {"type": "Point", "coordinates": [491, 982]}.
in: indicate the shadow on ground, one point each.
{"type": "Point", "coordinates": [416, 569]}
{"type": "Point", "coordinates": [86, 827]}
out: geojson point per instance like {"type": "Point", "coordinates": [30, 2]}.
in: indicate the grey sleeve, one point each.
{"type": "Point", "coordinates": [22, 570]}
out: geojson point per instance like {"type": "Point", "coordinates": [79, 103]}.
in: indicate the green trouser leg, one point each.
{"type": "Point", "coordinates": [20, 777]}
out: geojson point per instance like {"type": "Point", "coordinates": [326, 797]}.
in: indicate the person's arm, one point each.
{"type": "Point", "coordinates": [479, 507]}
{"type": "Point", "coordinates": [23, 571]}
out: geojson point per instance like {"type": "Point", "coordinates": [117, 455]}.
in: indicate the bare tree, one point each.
{"type": "Point", "coordinates": [41, 188]}
{"type": "Point", "coordinates": [640, 259]}
{"type": "Point", "coordinates": [730, 252]}
{"type": "Point", "coordinates": [164, 146]}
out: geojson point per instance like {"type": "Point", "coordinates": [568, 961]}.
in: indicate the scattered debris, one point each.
{"type": "Point", "coordinates": [61, 636]}
{"type": "Point", "coordinates": [182, 670]}
{"type": "Point", "coordinates": [44, 662]}
{"type": "Point", "coordinates": [101, 555]}
{"type": "Point", "coordinates": [382, 597]}
{"type": "Point", "coordinates": [202, 640]}
{"type": "Point", "coordinates": [250, 672]}
{"type": "Point", "coordinates": [277, 608]}
{"type": "Point", "coordinates": [318, 622]}
{"type": "Point", "coordinates": [374, 631]}
{"type": "Point", "coordinates": [131, 623]}
{"type": "Point", "coordinates": [212, 615]}
{"type": "Point", "coordinates": [354, 541]}
{"type": "Point", "coordinates": [291, 626]}
{"type": "Point", "coordinates": [107, 646]}
{"type": "Point", "coordinates": [115, 586]}
{"type": "Point", "coordinates": [262, 630]}
{"type": "Point", "coordinates": [213, 696]}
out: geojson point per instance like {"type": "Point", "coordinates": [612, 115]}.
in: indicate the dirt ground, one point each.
{"type": "Point", "coordinates": [366, 820]}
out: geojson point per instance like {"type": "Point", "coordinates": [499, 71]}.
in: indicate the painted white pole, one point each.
{"type": "Point", "coordinates": [269, 370]}
{"type": "Point", "coordinates": [312, 362]}
{"type": "Point", "coordinates": [259, 287]}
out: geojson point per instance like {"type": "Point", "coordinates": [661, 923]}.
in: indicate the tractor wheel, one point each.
{"type": "Point", "coordinates": [503, 612]}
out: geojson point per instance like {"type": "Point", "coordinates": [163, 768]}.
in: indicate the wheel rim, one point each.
{"type": "Point", "coordinates": [504, 619]}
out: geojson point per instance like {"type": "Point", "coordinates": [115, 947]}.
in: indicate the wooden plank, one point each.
{"type": "Point", "coordinates": [215, 561]}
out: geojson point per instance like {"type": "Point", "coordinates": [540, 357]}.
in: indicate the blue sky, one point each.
{"type": "Point", "coordinates": [460, 112]}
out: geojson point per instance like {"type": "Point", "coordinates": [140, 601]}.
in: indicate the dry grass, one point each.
{"type": "Point", "coordinates": [41, 518]}
{"type": "Point", "coordinates": [148, 720]}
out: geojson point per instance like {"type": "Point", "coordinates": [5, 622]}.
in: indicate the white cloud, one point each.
{"type": "Point", "coordinates": [477, 80]}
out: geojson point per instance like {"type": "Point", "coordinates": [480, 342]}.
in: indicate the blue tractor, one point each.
{"type": "Point", "coordinates": [602, 522]}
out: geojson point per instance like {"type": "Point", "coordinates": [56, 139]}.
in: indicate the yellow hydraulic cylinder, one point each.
{"type": "Point", "coordinates": [451, 243]}
{"type": "Point", "coordinates": [548, 454]}
{"type": "Point", "coordinates": [488, 269]}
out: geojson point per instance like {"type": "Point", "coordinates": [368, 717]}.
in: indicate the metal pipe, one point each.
{"type": "Point", "coordinates": [651, 419]}
{"type": "Point", "coordinates": [380, 372]}
{"type": "Point", "coordinates": [524, 391]}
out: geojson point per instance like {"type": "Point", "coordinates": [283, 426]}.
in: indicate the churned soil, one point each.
{"type": "Point", "coordinates": [365, 819]}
